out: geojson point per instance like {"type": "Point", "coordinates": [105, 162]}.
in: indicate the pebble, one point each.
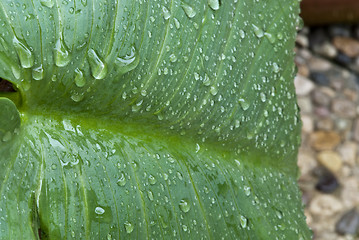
{"type": "Point", "coordinates": [351, 94]}
{"type": "Point", "coordinates": [319, 64]}
{"type": "Point", "coordinates": [306, 161]}
{"type": "Point", "coordinates": [327, 50]}
{"type": "Point", "coordinates": [320, 97]}
{"type": "Point", "coordinates": [307, 123]}
{"type": "Point", "coordinates": [344, 108]}
{"type": "Point", "coordinates": [348, 152]}
{"type": "Point", "coordinates": [347, 45]}
{"type": "Point", "coordinates": [327, 182]}
{"type": "Point", "coordinates": [325, 205]}
{"type": "Point", "coordinates": [348, 223]}
{"type": "Point", "coordinates": [356, 130]}
{"type": "Point", "coordinates": [325, 124]}
{"type": "Point", "coordinates": [343, 59]}
{"type": "Point", "coordinates": [302, 40]}
{"type": "Point", "coordinates": [331, 160]}
{"type": "Point", "coordinates": [303, 85]}
{"type": "Point", "coordinates": [319, 78]}
{"type": "Point", "coordinates": [339, 30]}
{"type": "Point", "coordinates": [305, 104]}
{"type": "Point", "coordinates": [349, 192]}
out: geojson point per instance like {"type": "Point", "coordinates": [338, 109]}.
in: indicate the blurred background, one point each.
{"type": "Point", "coordinates": [327, 86]}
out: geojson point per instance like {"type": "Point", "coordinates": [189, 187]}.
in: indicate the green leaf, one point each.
{"type": "Point", "coordinates": [149, 120]}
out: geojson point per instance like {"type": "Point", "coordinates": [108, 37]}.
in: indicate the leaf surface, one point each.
{"type": "Point", "coordinates": [149, 120]}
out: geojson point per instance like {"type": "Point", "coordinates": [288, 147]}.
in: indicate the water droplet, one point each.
{"type": "Point", "coordinates": [38, 73]}
{"type": "Point", "coordinates": [263, 97]}
{"type": "Point", "coordinates": [185, 228]}
{"type": "Point", "coordinates": [206, 80]}
{"type": "Point", "coordinates": [270, 37]}
{"type": "Point", "coordinates": [166, 13]}
{"type": "Point", "coordinates": [7, 137]}
{"type": "Point", "coordinates": [177, 23]}
{"type": "Point", "coordinates": [213, 90]}
{"type": "Point", "coordinates": [129, 61]}
{"type": "Point", "coordinates": [84, 2]}
{"type": "Point", "coordinates": [122, 180]}
{"type": "Point", "coordinates": [276, 68]}
{"type": "Point", "coordinates": [98, 67]}
{"type": "Point", "coordinates": [184, 206]}
{"type": "Point", "coordinates": [258, 31]}
{"type": "Point", "coordinates": [53, 166]}
{"type": "Point", "coordinates": [24, 53]}
{"type": "Point", "coordinates": [247, 190]}
{"type": "Point", "coordinates": [99, 210]}
{"type": "Point", "coordinates": [242, 34]}
{"type": "Point", "coordinates": [129, 227]}
{"type": "Point", "coordinates": [80, 80]}
{"type": "Point", "coordinates": [173, 58]}
{"type": "Point", "coordinates": [150, 195]}
{"type": "Point", "coordinates": [244, 104]}
{"type": "Point", "coordinates": [190, 12]}
{"type": "Point", "coordinates": [279, 214]}
{"type": "Point", "coordinates": [152, 180]}
{"type": "Point", "coordinates": [77, 97]}
{"type": "Point", "coordinates": [214, 4]}
{"type": "Point", "coordinates": [16, 71]}
{"type": "Point", "coordinates": [243, 221]}
{"type": "Point", "coordinates": [62, 55]}
{"type": "Point", "coordinates": [47, 3]}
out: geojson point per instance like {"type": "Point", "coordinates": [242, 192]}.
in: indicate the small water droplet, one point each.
{"type": "Point", "coordinates": [213, 90]}
{"type": "Point", "coordinates": [84, 2]}
{"type": "Point", "coordinates": [166, 13]}
{"type": "Point", "coordinates": [98, 67]}
{"type": "Point", "coordinates": [190, 12]}
{"type": "Point", "coordinates": [173, 58]}
{"type": "Point", "coordinates": [184, 206]}
{"type": "Point", "coordinates": [244, 104]}
{"type": "Point", "coordinates": [279, 214]}
{"type": "Point", "coordinates": [214, 4]}
{"type": "Point", "coordinates": [263, 96]}
{"type": "Point", "coordinates": [247, 190]}
{"type": "Point", "coordinates": [242, 34]}
{"type": "Point", "coordinates": [62, 55]}
{"type": "Point", "coordinates": [80, 80]}
{"type": "Point", "coordinates": [276, 68]}
{"type": "Point", "coordinates": [24, 53]}
{"type": "Point", "coordinates": [99, 210]}
{"type": "Point", "coordinates": [177, 23]}
{"type": "Point", "coordinates": [38, 73]}
{"type": "Point", "coordinates": [129, 227]}
{"type": "Point", "coordinates": [77, 97]}
{"type": "Point", "coordinates": [150, 195]}
{"type": "Point", "coordinates": [270, 37]}
{"type": "Point", "coordinates": [152, 180]}
{"type": "Point", "coordinates": [47, 3]}
{"type": "Point", "coordinates": [185, 228]}
{"type": "Point", "coordinates": [258, 31]}
{"type": "Point", "coordinates": [243, 221]}
{"type": "Point", "coordinates": [122, 180]}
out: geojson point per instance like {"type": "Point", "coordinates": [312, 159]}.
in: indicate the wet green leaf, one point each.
{"type": "Point", "coordinates": [149, 120]}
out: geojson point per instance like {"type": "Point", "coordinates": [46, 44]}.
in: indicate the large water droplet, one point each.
{"type": "Point", "coordinates": [190, 12]}
{"type": "Point", "coordinates": [263, 96]}
{"type": "Point", "coordinates": [62, 55]}
{"type": "Point", "coordinates": [24, 53]}
{"type": "Point", "coordinates": [122, 180]}
{"type": "Point", "coordinates": [38, 73]}
{"type": "Point", "coordinates": [177, 23]}
{"type": "Point", "coordinates": [150, 195]}
{"type": "Point", "coordinates": [213, 90]}
{"type": "Point", "coordinates": [244, 104]}
{"type": "Point", "coordinates": [98, 67]}
{"type": "Point", "coordinates": [47, 3]}
{"type": "Point", "coordinates": [184, 205]}
{"type": "Point", "coordinates": [129, 61]}
{"type": "Point", "coordinates": [7, 136]}
{"type": "Point", "coordinates": [247, 190]}
{"type": "Point", "coordinates": [214, 4]}
{"type": "Point", "coordinates": [258, 31]}
{"type": "Point", "coordinates": [129, 227]}
{"type": "Point", "coordinates": [243, 221]}
{"type": "Point", "coordinates": [166, 13]}
{"type": "Point", "coordinates": [77, 97]}
{"type": "Point", "coordinates": [99, 210]}
{"type": "Point", "coordinates": [80, 80]}
{"type": "Point", "coordinates": [152, 180]}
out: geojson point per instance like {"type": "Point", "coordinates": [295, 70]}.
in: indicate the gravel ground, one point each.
{"type": "Point", "coordinates": [327, 86]}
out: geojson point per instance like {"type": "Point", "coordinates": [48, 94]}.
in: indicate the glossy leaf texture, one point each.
{"type": "Point", "coordinates": [149, 120]}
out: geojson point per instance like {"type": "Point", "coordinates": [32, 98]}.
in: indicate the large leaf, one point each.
{"type": "Point", "coordinates": [149, 119]}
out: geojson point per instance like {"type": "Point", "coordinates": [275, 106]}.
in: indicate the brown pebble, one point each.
{"type": "Point", "coordinates": [320, 97]}
{"type": "Point", "coordinates": [331, 160]}
{"type": "Point", "coordinates": [348, 46]}
{"type": "Point", "coordinates": [325, 205]}
{"type": "Point", "coordinates": [325, 124]}
{"type": "Point", "coordinates": [348, 152]}
{"type": "Point", "coordinates": [307, 123]}
{"type": "Point", "coordinates": [324, 140]}
{"type": "Point", "coordinates": [344, 108]}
